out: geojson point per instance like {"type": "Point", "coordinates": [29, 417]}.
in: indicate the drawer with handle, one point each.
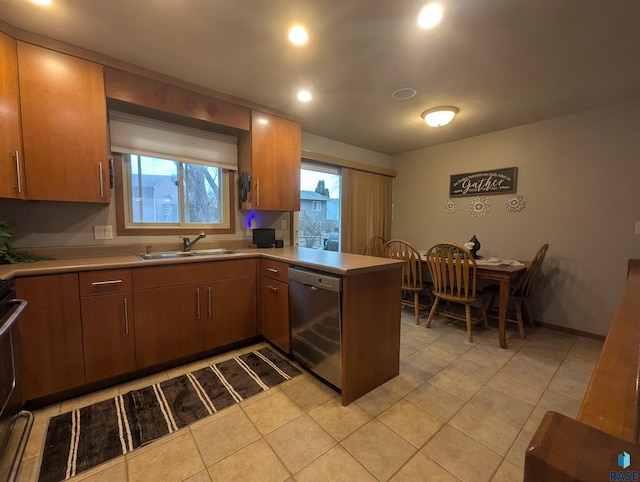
{"type": "Point", "coordinates": [274, 269]}
{"type": "Point", "coordinates": [105, 282]}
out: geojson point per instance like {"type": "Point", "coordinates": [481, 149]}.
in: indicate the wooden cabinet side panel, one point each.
{"type": "Point", "coordinates": [10, 139]}
{"type": "Point", "coordinates": [50, 334]}
{"type": "Point", "coordinates": [64, 126]}
{"type": "Point", "coordinates": [233, 312]}
{"type": "Point", "coordinates": [276, 158]}
{"type": "Point", "coordinates": [370, 331]}
{"type": "Point", "coordinates": [108, 332]}
{"type": "Point", "coordinates": [274, 300]}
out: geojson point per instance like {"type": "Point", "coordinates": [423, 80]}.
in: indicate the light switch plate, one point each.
{"type": "Point", "coordinates": [283, 224]}
{"type": "Point", "coordinates": [637, 227]}
{"type": "Point", "coordinates": [103, 232]}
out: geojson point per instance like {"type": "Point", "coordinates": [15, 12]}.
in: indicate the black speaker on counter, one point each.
{"type": "Point", "coordinates": [264, 237]}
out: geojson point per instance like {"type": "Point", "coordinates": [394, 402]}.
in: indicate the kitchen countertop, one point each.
{"type": "Point", "coordinates": [343, 264]}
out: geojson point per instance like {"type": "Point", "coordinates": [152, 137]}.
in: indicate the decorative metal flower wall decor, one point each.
{"type": "Point", "coordinates": [451, 205]}
{"type": "Point", "coordinates": [479, 206]}
{"type": "Point", "coordinates": [515, 203]}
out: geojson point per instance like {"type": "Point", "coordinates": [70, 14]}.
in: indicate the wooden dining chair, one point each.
{"type": "Point", "coordinates": [411, 272]}
{"type": "Point", "coordinates": [375, 247]}
{"type": "Point", "coordinates": [522, 290]}
{"type": "Point", "coordinates": [453, 274]}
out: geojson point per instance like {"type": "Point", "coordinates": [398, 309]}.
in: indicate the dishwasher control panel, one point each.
{"type": "Point", "coordinates": [317, 279]}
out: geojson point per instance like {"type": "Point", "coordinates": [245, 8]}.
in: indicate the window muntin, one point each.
{"type": "Point", "coordinates": [169, 193]}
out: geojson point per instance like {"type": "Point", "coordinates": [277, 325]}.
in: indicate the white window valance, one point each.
{"type": "Point", "coordinates": [132, 134]}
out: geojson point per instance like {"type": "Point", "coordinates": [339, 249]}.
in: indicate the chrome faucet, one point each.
{"type": "Point", "coordinates": [187, 244]}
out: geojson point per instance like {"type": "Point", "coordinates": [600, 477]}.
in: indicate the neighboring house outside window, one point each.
{"type": "Point", "coordinates": [318, 218]}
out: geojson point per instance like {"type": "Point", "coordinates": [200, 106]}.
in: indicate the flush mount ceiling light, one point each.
{"type": "Point", "coordinates": [430, 15]}
{"type": "Point", "coordinates": [298, 35]}
{"type": "Point", "coordinates": [440, 116]}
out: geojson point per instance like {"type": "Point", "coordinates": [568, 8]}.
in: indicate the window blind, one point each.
{"type": "Point", "coordinates": [133, 134]}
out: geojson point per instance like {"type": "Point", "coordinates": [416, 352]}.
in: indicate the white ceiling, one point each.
{"type": "Point", "coordinates": [502, 62]}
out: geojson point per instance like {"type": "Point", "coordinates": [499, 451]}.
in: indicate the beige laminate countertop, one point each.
{"type": "Point", "coordinates": [330, 261]}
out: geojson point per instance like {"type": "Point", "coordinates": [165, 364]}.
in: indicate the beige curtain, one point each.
{"type": "Point", "coordinates": [366, 208]}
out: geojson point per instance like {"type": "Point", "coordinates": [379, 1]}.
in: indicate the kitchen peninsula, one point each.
{"type": "Point", "coordinates": [370, 312]}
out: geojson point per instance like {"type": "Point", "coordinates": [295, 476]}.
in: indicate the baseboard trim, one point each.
{"type": "Point", "coordinates": [564, 329]}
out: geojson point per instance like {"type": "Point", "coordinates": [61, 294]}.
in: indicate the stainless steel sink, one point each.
{"type": "Point", "coordinates": [186, 254]}
{"type": "Point", "coordinates": [165, 255]}
{"type": "Point", "coordinates": [212, 252]}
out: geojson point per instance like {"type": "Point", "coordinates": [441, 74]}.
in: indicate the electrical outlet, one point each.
{"type": "Point", "coordinates": [283, 224]}
{"type": "Point", "coordinates": [103, 232]}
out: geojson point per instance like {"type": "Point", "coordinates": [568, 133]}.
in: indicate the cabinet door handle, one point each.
{"type": "Point", "coordinates": [273, 288]}
{"type": "Point", "coordinates": [110, 282]}
{"type": "Point", "coordinates": [257, 193]}
{"type": "Point", "coordinates": [101, 180]}
{"type": "Point", "coordinates": [198, 302]}
{"type": "Point", "coordinates": [210, 304]}
{"type": "Point", "coordinates": [126, 316]}
{"type": "Point", "coordinates": [273, 270]}
{"type": "Point", "coordinates": [18, 171]}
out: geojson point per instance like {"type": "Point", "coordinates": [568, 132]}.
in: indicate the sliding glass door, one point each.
{"type": "Point", "coordinates": [318, 222]}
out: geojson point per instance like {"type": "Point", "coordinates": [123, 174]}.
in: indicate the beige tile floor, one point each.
{"type": "Point", "coordinates": [457, 411]}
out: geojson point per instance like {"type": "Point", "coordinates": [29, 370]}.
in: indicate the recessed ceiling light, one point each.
{"type": "Point", "coordinates": [42, 2]}
{"type": "Point", "coordinates": [404, 93]}
{"type": "Point", "coordinates": [298, 35]}
{"type": "Point", "coordinates": [440, 116]}
{"type": "Point", "coordinates": [304, 96]}
{"type": "Point", "coordinates": [430, 15]}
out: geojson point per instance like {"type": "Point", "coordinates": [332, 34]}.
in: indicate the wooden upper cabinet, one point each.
{"type": "Point", "coordinates": [64, 126]}
{"type": "Point", "coordinates": [272, 158]}
{"type": "Point", "coordinates": [12, 174]}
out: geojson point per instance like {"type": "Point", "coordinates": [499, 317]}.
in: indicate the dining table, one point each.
{"type": "Point", "coordinates": [504, 272]}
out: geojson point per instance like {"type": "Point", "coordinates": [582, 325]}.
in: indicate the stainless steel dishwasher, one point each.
{"type": "Point", "coordinates": [316, 322]}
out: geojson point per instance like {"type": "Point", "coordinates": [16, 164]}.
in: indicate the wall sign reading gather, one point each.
{"type": "Point", "coordinates": [496, 181]}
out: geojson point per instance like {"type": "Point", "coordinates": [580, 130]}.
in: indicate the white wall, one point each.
{"type": "Point", "coordinates": [579, 176]}
{"type": "Point", "coordinates": [329, 147]}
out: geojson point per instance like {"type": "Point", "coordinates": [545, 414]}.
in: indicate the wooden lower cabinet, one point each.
{"type": "Point", "coordinates": [50, 334]}
{"type": "Point", "coordinates": [108, 328]}
{"type": "Point", "coordinates": [108, 333]}
{"type": "Point", "coordinates": [274, 311]}
{"type": "Point", "coordinates": [231, 315]}
{"type": "Point", "coordinates": [185, 309]}
{"type": "Point", "coordinates": [169, 323]}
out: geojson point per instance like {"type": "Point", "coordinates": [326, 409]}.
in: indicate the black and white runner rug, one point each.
{"type": "Point", "coordinates": [79, 440]}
